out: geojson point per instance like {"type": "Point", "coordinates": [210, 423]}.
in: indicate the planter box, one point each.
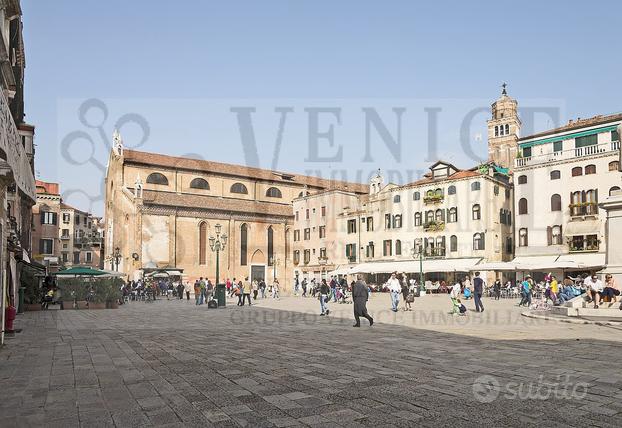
{"type": "Point", "coordinates": [93, 305]}
{"type": "Point", "coordinates": [32, 307]}
{"type": "Point", "coordinates": [67, 304]}
{"type": "Point", "coordinates": [81, 304]}
{"type": "Point", "coordinates": [112, 305]}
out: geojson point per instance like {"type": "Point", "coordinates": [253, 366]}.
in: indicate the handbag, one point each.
{"type": "Point", "coordinates": [410, 298]}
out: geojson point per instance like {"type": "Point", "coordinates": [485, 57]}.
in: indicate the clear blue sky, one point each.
{"type": "Point", "coordinates": [167, 60]}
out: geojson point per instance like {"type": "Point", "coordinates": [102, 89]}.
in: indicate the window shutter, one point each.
{"type": "Point", "coordinates": [40, 246]}
{"type": "Point", "coordinates": [425, 245]}
{"type": "Point", "coordinates": [549, 235]}
{"type": "Point", "coordinates": [54, 219]}
{"type": "Point", "coordinates": [561, 235]}
{"type": "Point", "coordinates": [443, 216]}
{"type": "Point", "coordinates": [596, 196]}
{"type": "Point", "coordinates": [42, 217]}
{"type": "Point", "coordinates": [443, 245]}
{"type": "Point", "coordinates": [483, 241]}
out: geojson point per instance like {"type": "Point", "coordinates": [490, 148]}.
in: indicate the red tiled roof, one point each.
{"type": "Point", "coordinates": [156, 159]}
{"type": "Point", "coordinates": [455, 176]}
{"type": "Point", "coordinates": [577, 124]}
{"type": "Point", "coordinates": [46, 187]}
{"type": "Point", "coordinates": [153, 197]}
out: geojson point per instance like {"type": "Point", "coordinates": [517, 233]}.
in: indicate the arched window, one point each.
{"type": "Point", "coordinates": [555, 175]}
{"type": "Point", "coordinates": [478, 241]}
{"type": "Point", "coordinates": [157, 178]}
{"type": "Point", "coordinates": [273, 192]}
{"type": "Point", "coordinates": [451, 190]}
{"type": "Point", "coordinates": [203, 243]}
{"type": "Point", "coordinates": [554, 235]}
{"type": "Point", "coordinates": [396, 199]}
{"type": "Point", "coordinates": [429, 216]}
{"type": "Point", "coordinates": [243, 244]}
{"type": "Point", "coordinates": [522, 179]}
{"type": "Point", "coordinates": [397, 221]}
{"type": "Point", "coordinates": [507, 129]}
{"type": "Point", "coordinates": [577, 171]}
{"type": "Point", "coordinates": [440, 246]}
{"type": "Point", "coordinates": [270, 246]}
{"type": "Point", "coordinates": [417, 219]}
{"type": "Point", "coordinates": [438, 192]}
{"type": "Point", "coordinates": [416, 196]}
{"type": "Point", "coordinates": [239, 188]}
{"type": "Point", "coordinates": [429, 193]}
{"type": "Point", "coordinates": [590, 169]}
{"type": "Point", "coordinates": [523, 239]}
{"type": "Point", "coordinates": [614, 166]}
{"type": "Point", "coordinates": [199, 183]}
{"type": "Point", "coordinates": [398, 247]}
{"type": "Point", "coordinates": [439, 215]}
{"type": "Point", "coordinates": [475, 186]}
{"type": "Point", "coordinates": [613, 189]}
{"type": "Point", "coordinates": [556, 202]}
{"type": "Point", "coordinates": [522, 206]}
{"type": "Point", "coordinates": [452, 216]}
{"type": "Point", "coordinates": [477, 212]}
{"type": "Point", "coordinates": [453, 243]}
{"type": "Point", "coordinates": [496, 130]}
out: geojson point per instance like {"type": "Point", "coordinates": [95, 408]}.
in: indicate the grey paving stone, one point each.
{"type": "Point", "coordinates": [130, 367]}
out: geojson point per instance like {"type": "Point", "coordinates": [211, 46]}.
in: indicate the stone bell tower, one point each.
{"type": "Point", "coordinates": [504, 130]}
{"type": "Point", "coordinates": [376, 183]}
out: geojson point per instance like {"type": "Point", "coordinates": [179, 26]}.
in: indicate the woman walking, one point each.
{"type": "Point", "coordinates": [405, 293]}
{"type": "Point", "coordinates": [324, 294]}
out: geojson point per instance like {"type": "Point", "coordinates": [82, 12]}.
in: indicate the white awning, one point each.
{"type": "Point", "coordinates": [342, 270]}
{"type": "Point", "coordinates": [413, 266]}
{"type": "Point", "coordinates": [585, 227]}
{"type": "Point", "coordinates": [584, 261]}
{"type": "Point", "coordinates": [523, 263]}
{"type": "Point", "coordinates": [497, 266]}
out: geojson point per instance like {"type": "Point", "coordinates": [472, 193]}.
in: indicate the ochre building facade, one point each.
{"type": "Point", "coordinates": [162, 210]}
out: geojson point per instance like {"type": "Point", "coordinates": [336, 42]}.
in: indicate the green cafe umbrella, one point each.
{"type": "Point", "coordinates": [80, 271]}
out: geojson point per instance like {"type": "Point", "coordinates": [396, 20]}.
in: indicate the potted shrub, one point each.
{"type": "Point", "coordinates": [112, 290]}
{"type": "Point", "coordinates": [97, 299]}
{"type": "Point", "coordinates": [32, 291]}
{"type": "Point", "coordinates": [69, 289]}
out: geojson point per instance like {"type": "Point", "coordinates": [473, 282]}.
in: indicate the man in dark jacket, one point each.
{"type": "Point", "coordinates": [360, 295]}
{"type": "Point", "coordinates": [478, 290]}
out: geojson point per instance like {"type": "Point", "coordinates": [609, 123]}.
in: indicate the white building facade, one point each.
{"type": "Point", "coordinates": [560, 177]}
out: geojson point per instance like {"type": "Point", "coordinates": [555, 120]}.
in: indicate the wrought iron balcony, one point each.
{"type": "Point", "coordinates": [434, 226]}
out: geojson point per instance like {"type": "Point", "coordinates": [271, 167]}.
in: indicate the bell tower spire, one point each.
{"type": "Point", "coordinates": [503, 130]}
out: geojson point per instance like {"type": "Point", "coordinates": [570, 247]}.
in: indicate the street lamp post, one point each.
{"type": "Point", "coordinates": [414, 253]}
{"type": "Point", "coordinates": [217, 243]}
{"type": "Point", "coordinates": [116, 256]}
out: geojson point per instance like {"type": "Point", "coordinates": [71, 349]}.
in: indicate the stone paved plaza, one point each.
{"type": "Point", "coordinates": [278, 363]}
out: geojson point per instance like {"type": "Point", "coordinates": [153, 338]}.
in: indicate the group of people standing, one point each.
{"type": "Point", "coordinates": [257, 288]}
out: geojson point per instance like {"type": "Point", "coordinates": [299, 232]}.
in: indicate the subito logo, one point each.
{"type": "Point", "coordinates": [486, 389]}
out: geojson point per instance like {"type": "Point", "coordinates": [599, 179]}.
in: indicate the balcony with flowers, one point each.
{"type": "Point", "coordinates": [434, 226]}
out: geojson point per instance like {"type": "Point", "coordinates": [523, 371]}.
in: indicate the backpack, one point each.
{"type": "Point", "coordinates": [462, 309]}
